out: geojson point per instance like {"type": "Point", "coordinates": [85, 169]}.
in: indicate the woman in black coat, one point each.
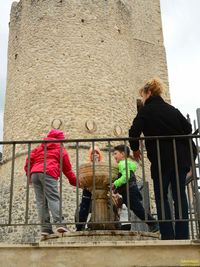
{"type": "Point", "coordinates": [158, 118]}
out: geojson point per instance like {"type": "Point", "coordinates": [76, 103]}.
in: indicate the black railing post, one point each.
{"type": "Point", "coordinates": [27, 184]}
{"type": "Point", "coordinates": [180, 215]}
{"type": "Point", "coordinates": [143, 180]}
{"type": "Point", "coordinates": [127, 183]}
{"type": "Point", "coordinates": [160, 180]}
{"type": "Point", "coordinates": [93, 186]}
{"type": "Point", "coordinates": [196, 189]}
{"type": "Point", "coordinates": [110, 179]}
{"type": "Point", "coordinates": [77, 183]}
{"type": "Point", "coordinates": [44, 185]}
{"type": "Point", "coordinates": [12, 184]}
{"type": "Point", "coordinates": [61, 180]}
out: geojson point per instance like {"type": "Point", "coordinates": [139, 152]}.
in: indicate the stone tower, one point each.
{"type": "Point", "coordinates": [78, 65]}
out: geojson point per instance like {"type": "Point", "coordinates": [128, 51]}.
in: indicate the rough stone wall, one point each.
{"type": "Point", "coordinates": [75, 65]}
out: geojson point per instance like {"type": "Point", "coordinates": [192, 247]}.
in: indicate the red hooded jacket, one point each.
{"type": "Point", "coordinates": [52, 158]}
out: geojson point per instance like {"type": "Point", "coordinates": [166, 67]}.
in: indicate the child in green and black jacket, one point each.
{"type": "Point", "coordinates": [127, 167]}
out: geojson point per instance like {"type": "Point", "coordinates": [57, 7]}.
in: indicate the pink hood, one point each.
{"type": "Point", "coordinates": [56, 134]}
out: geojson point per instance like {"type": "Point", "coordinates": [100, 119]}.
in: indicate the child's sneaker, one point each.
{"type": "Point", "coordinates": [153, 228]}
{"type": "Point", "coordinates": [47, 232]}
{"type": "Point", "coordinates": [48, 235]}
{"type": "Point", "coordinates": [61, 229]}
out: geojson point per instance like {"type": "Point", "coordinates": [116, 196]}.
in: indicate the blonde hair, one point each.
{"type": "Point", "coordinates": [155, 86]}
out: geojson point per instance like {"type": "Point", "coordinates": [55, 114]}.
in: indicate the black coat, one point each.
{"type": "Point", "coordinates": [158, 118]}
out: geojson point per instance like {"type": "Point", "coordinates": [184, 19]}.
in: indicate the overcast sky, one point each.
{"type": "Point", "coordinates": [181, 31]}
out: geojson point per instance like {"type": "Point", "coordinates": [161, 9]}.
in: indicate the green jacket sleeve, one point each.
{"type": "Point", "coordinates": [122, 169]}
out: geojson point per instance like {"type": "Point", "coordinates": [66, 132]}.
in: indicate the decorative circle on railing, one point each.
{"type": "Point", "coordinates": [91, 126]}
{"type": "Point", "coordinates": [56, 124]}
{"type": "Point", "coordinates": [117, 130]}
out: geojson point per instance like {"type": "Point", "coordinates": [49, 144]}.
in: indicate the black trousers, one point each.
{"type": "Point", "coordinates": [135, 198]}
{"type": "Point", "coordinates": [181, 229]}
{"type": "Point", "coordinates": [84, 210]}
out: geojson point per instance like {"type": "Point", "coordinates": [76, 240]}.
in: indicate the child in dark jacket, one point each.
{"type": "Point", "coordinates": [127, 167]}
{"type": "Point", "coordinates": [44, 172]}
{"type": "Point", "coordinates": [85, 205]}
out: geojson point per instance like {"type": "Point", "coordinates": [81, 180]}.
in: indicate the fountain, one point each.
{"type": "Point", "coordinates": [96, 178]}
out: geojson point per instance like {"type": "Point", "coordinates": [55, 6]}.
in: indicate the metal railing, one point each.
{"type": "Point", "coordinates": [77, 149]}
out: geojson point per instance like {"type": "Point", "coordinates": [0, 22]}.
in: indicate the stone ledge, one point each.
{"type": "Point", "coordinates": [123, 253]}
{"type": "Point", "coordinates": [98, 236]}
{"type": "Point", "coordinates": [105, 238]}
{"type": "Point", "coordinates": [135, 243]}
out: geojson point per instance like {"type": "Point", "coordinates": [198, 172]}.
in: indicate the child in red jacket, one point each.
{"type": "Point", "coordinates": [44, 172]}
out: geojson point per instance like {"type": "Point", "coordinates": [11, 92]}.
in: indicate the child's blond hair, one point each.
{"type": "Point", "coordinates": [96, 148]}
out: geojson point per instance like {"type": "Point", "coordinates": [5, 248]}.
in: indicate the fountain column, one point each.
{"type": "Point", "coordinates": [97, 179]}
